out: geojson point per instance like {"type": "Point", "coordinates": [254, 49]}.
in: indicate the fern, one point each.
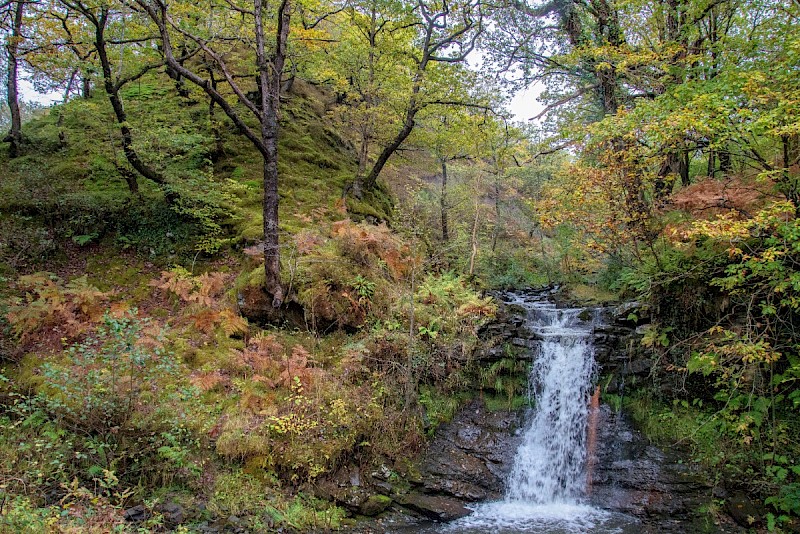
{"type": "Point", "coordinates": [49, 303]}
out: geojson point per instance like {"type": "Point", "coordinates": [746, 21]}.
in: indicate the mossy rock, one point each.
{"type": "Point", "coordinates": [375, 505]}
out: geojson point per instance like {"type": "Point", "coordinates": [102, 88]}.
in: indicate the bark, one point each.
{"type": "Point", "coordinates": [270, 82]}
{"type": "Point", "coordinates": [496, 231]}
{"type": "Point", "coordinates": [725, 164]}
{"type": "Point", "coordinates": [712, 164]}
{"type": "Point", "coordinates": [474, 237]}
{"type": "Point", "coordinates": [219, 146]}
{"type": "Point", "coordinates": [86, 86]}
{"type": "Point", "coordinates": [684, 169]}
{"type": "Point", "coordinates": [371, 180]}
{"type": "Point", "coordinates": [12, 47]}
{"type": "Point", "coordinates": [675, 166]}
{"type": "Point", "coordinates": [443, 202]}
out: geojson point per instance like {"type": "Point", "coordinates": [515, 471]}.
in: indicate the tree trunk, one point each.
{"type": "Point", "coordinates": [411, 112]}
{"type": "Point", "coordinates": [12, 47]}
{"type": "Point", "coordinates": [408, 125]}
{"type": "Point", "coordinates": [269, 76]}
{"type": "Point", "coordinates": [86, 86]}
{"type": "Point", "coordinates": [712, 163]}
{"type": "Point", "coordinates": [112, 90]}
{"type": "Point", "coordinates": [265, 140]}
{"type": "Point", "coordinates": [496, 231]}
{"type": "Point", "coordinates": [474, 237]}
{"type": "Point", "coordinates": [443, 202]}
{"type": "Point", "coordinates": [219, 146]}
{"type": "Point", "coordinates": [368, 127]}
{"type": "Point", "coordinates": [684, 169]}
{"type": "Point", "coordinates": [725, 165]}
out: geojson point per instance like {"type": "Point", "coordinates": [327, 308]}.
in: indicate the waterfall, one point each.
{"type": "Point", "coordinates": [546, 489]}
{"type": "Point", "coordinates": [549, 465]}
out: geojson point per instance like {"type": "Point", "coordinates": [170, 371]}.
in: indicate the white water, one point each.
{"type": "Point", "coordinates": [546, 490]}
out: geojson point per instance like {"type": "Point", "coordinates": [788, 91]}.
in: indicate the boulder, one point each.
{"type": "Point", "coordinates": [438, 507]}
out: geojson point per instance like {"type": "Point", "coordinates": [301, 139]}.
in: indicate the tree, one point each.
{"type": "Point", "coordinates": [268, 60]}
{"type": "Point", "coordinates": [448, 33]}
{"type": "Point", "coordinates": [370, 62]}
{"type": "Point", "coordinates": [13, 40]}
{"type": "Point", "coordinates": [98, 18]}
{"type": "Point", "coordinates": [453, 133]}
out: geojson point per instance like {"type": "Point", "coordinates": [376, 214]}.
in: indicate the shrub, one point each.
{"type": "Point", "coordinates": [118, 380]}
{"type": "Point", "coordinates": [307, 434]}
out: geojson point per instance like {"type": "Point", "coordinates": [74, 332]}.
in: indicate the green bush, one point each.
{"type": "Point", "coordinates": [117, 378]}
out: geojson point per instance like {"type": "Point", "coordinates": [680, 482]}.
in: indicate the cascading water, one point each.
{"type": "Point", "coordinates": [546, 490]}
{"type": "Point", "coordinates": [549, 465]}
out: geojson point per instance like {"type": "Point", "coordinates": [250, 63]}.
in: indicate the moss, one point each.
{"type": "Point", "coordinates": [590, 295]}
{"type": "Point", "coordinates": [440, 407]}
{"type": "Point", "coordinates": [376, 203]}
{"type": "Point", "coordinates": [501, 403]}
{"type": "Point", "coordinates": [253, 230]}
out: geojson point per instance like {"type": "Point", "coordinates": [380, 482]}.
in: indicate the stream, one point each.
{"type": "Point", "coordinates": [548, 488]}
{"type": "Point", "coordinates": [570, 465]}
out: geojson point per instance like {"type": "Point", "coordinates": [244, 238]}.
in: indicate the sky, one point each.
{"type": "Point", "coordinates": [525, 105]}
{"type": "Point", "coordinates": [29, 94]}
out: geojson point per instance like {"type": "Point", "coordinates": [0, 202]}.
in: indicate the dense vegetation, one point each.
{"type": "Point", "coordinates": [252, 243]}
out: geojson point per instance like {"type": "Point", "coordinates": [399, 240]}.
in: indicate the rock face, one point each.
{"type": "Point", "coordinates": [633, 477]}
{"type": "Point", "coordinates": [472, 455]}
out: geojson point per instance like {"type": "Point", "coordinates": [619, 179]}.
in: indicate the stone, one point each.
{"type": "Point", "coordinates": [633, 312]}
{"type": "Point", "coordinates": [382, 472]}
{"type": "Point", "coordinates": [634, 477]}
{"type": "Point", "coordinates": [172, 512]}
{"type": "Point", "coordinates": [436, 507]}
{"type": "Point", "coordinates": [375, 505]}
{"type": "Point", "coordinates": [742, 510]}
{"type": "Point", "coordinates": [471, 456]}
{"type": "Point", "coordinates": [136, 514]}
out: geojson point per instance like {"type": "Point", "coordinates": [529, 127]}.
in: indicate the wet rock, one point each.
{"type": "Point", "coordinates": [639, 367]}
{"type": "Point", "coordinates": [631, 313]}
{"type": "Point", "coordinates": [515, 309]}
{"type": "Point", "coordinates": [350, 497]}
{"type": "Point", "coordinates": [742, 510]}
{"type": "Point", "coordinates": [382, 487]}
{"type": "Point", "coordinates": [436, 507]}
{"type": "Point", "coordinates": [519, 342]}
{"type": "Point", "coordinates": [173, 514]}
{"type": "Point", "coordinates": [136, 514]}
{"type": "Point", "coordinates": [631, 476]}
{"type": "Point", "coordinates": [470, 457]}
{"type": "Point", "coordinates": [375, 505]}
{"type": "Point", "coordinates": [382, 472]}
